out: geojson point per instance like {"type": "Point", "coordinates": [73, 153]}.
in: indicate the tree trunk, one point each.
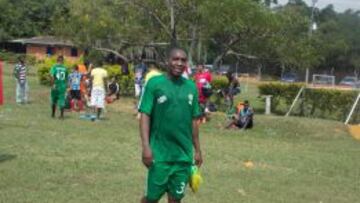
{"type": "Point", "coordinates": [116, 53]}
{"type": "Point", "coordinates": [173, 40]}
{"type": "Point", "coordinates": [193, 43]}
{"type": "Point", "coordinates": [260, 71]}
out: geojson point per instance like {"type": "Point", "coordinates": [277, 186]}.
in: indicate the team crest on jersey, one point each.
{"type": "Point", "coordinates": [161, 99]}
{"type": "Point", "coordinates": [191, 98]}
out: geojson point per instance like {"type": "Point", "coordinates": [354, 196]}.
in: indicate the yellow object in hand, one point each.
{"type": "Point", "coordinates": [195, 179]}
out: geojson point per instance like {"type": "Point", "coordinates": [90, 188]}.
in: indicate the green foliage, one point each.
{"type": "Point", "coordinates": [280, 92]}
{"type": "Point", "coordinates": [320, 103]}
{"type": "Point", "coordinates": [13, 57]}
{"type": "Point", "coordinates": [219, 82]}
{"type": "Point", "coordinates": [94, 56]}
{"type": "Point", "coordinates": [126, 82]}
{"type": "Point", "coordinates": [44, 66]}
{"type": "Point", "coordinates": [27, 18]}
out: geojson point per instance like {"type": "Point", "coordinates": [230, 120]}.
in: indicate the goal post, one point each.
{"type": "Point", "coordinates": [323, 80]}
{"type": "Point", "coordinates": [1, 84]}
{"type": "Point", "coordinates": [352, 109]}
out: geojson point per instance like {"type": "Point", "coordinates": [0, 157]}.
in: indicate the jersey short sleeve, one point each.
{"type": "Point", "coordinates": [147, 98]}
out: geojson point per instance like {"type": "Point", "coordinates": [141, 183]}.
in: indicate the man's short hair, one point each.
{"type": "Point", "coordinates": [21, 59]}
{"type": "Point", "coordinates": [60, 58]}
{"type": "Point", "coordinates": [173, 50]}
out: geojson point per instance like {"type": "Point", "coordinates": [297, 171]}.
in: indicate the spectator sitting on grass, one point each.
{"type": "Point", "coordinates": [243, 119]}
{"type": "Point", "coordinates": [114, 88]}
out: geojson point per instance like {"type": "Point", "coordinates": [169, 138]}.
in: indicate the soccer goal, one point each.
{"type": "Point", "coordinates": [357, 101]}
{"type": "Point", "coordinates": [323, 80]}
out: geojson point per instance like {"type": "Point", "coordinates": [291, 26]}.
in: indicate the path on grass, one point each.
{"type": "Point", "coordinates": [355, 131]}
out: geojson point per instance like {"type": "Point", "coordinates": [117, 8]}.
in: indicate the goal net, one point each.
{"type": "Point", "coordinates": [323, 80]}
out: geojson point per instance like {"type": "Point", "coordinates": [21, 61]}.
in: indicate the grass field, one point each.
{"type": "Point", "coordinates": [49, 160]}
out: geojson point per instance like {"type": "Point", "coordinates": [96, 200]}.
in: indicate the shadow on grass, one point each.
{"type": "Point", "coordinates": [6, 157]}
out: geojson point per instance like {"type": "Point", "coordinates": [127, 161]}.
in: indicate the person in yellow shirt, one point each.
{"type": "Point", "coordinates": [98, 78]}
{"type": "Point", "coordinates": [153, 71]}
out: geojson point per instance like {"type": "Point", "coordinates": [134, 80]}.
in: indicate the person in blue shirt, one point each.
{"type": "Point", "coordinates": [74, 83]}
{"type": "Point", "coordinates": [140, 71]}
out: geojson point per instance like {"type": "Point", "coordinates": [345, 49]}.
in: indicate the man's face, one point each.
{"type": "Point", "coordinates": [200, 68]}
{"type": "Point", "coordinates": [60, 61]}
{"type": "Point", "coordinates": [177, 63]}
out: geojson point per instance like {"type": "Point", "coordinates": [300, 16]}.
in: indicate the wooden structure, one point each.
{"type": "Point", "coordinates": [44, 46]}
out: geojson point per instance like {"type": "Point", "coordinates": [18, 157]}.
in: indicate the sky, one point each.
{"type": "Point", "coordinates": [339, 5]}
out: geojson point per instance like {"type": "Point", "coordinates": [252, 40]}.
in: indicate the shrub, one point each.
{"type": "Point", "coordinates": [11, 57]}
{"type": "Point", "coordinates": [43, 68]}
{"type": "Point", "coordinates": [126, 82]}
{"type": "Point", "coordinates": [321, 103]}
{"type": "Point", "coordinates": [281, 92]}
{"type": "Point", "coordinates": [219, 82]}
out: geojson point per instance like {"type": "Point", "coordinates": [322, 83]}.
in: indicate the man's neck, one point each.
{"type": "Point", "coordinates": [173, 77]}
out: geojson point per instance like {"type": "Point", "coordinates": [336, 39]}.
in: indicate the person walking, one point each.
{"type": "Point", "coordinates": [22, 88]}
{"type": "Point", "coordinates": [98, 78]}
{"type": "Point", "coordinates": [169, 131]}
{"type": "Point", "coordinates": [59, 75]}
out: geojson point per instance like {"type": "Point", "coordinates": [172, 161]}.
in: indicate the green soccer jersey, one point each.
{"type": "Point", "coordinates": [60, 74]}
{"type": "Point", "coordinates": [171, 105]}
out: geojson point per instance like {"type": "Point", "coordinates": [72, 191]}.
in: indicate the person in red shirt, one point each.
{"type": "Point", "coordinates": [203, 79]}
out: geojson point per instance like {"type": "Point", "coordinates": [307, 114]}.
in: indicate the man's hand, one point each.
{"type": "Point", "coordinates": [198, 159]}
{"type": "Point", "coordinates": [147, 157]}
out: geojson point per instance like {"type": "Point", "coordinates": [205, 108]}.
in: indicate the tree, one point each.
{"type": "Point", "coordinates": [27, 18]}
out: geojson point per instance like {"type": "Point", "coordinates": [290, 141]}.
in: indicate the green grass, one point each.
{"type": "Point", "coordinates": [48, 160]}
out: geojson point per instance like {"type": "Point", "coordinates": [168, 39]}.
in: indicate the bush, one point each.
{"type": "Point", "coordinates": [320, 103]}
{"type": "Point", "coordinates": [43, 68]}
{"type": "Point", "coordinates": [281, 92]}
{"type": "Point", "coordinates": [219, 82]}
{"type": "Point", "coordinates": [13, 57]}
{"type": "Point", "coordinates": [126, 82]}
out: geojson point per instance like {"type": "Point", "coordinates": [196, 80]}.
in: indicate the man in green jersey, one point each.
{"type": "Point", "coordinates": [169, 132]}
{"type": "Point", "coordinates": [59, 74]}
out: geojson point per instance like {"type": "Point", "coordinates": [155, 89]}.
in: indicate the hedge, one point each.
{"type": "Point", "coordinates": [13, 57]}
{"type": "Point", "coordinates": [43, 68]}
{"type": "Point", "coordinates": [219, 82]}
{"type": "Point", "coordinates": [126, 82]}
{"type": "Point", "coordinates": [320, 103]}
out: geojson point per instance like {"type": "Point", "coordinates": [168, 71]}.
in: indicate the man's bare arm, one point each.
{"type": "Point", "coordinates": [196, 143]}
{"type": "Point", "coordinates": [147, 158]}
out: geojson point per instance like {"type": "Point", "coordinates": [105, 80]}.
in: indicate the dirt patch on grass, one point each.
{"type": "Point", "coordinates": [355, 131]}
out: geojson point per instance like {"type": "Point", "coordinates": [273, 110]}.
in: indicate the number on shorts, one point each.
{"type": "Point", "coordinates": [182, 188]}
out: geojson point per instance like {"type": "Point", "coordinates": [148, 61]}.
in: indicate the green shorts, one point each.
{"type": "Point", "coordinates": [58, 97]}
{"type": "Point", "coordinates": [167, 177]}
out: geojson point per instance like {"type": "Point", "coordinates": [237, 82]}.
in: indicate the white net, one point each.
{"type": "Point", "coordinates": [323, 80]}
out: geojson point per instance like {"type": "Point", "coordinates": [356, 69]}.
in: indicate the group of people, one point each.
{"type": "Point", "coordinates": [170, 107]}
{"type": "Point", "coordinates": [80, 85]}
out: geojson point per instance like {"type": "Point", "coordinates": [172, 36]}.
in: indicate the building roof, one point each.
{"type": "Point", "coordinates": [44, 40]}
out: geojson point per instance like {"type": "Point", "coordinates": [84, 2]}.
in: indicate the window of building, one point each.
{"type": "Point", "coordinates": [74, 52]}
{"type": "Point", "coordinates": [50, 51]}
